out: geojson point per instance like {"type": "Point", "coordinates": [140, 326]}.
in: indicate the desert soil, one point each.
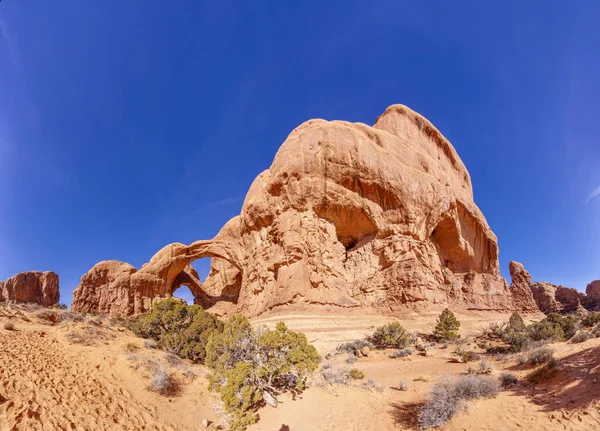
{"type": "Point", "coordinates": [49, 382]}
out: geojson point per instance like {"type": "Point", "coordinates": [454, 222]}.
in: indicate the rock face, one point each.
{"type": "Point", "coordinates": [347, 215]}
{"type": "Point", "coordinates": [31, 286]}
{"type": "Point", "coordinates": [551, 298]}
{"type": "Point", "coordinates": [521, 288]}
{"type": "Point", "coordinates": [592, 296]}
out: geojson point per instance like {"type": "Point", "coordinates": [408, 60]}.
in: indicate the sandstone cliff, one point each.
{"type": "Point", "coordinates": [31, 286]}
{"type": "Point", "coordinates": [348, 215]}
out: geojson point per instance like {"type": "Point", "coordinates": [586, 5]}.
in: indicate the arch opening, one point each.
{"type": "Point", "coordinates": [184, 294]}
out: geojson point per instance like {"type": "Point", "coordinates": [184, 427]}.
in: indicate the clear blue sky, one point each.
{"type": "Point", "coordinates": [127, 125]}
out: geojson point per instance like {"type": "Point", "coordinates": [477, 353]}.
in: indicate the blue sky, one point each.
{"type": "Point", "coordinates": [127, 125]}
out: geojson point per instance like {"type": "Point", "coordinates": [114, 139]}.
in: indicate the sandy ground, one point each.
{"type": "Point", "coordinates": [49, 383]}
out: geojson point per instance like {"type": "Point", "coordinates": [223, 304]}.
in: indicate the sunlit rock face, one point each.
{"type": "Point", "coordinates": [31, 287]}
{"type": "Point", "coordinates": [348, 215]}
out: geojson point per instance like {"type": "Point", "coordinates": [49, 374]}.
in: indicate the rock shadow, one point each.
{"type": "Point", "coordinates": [406, 415]}
{"type": "Point", "coordinates": [573, 387]}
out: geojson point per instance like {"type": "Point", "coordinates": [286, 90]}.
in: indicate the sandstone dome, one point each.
{"type": "Point", "coordinates": [348, 215]}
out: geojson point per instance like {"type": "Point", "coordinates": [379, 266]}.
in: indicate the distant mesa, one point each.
{"type": "Point", "coordinates": [32, 287]}
{"type": "Point", "coordinates": [348, 215]}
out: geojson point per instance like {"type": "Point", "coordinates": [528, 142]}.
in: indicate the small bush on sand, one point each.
{"type": "Point", "coordinates": [498, 350]}
{"type": "Point", "coordinates": [516, 323]}
{"type": "Point", "coordinates": [494, 331]}
{"type": "Point", "coordinates": [150, 344]}
{"type": "Point", "coordinates": [540, 356]}
{"type": "Point", "coordinates": [449, 396]}
{"type": "Point", "coordinates": [485, 367]}
{"type": "Point", "coordinates": [402, 386]}
{"type": "Point", "coordinates": [48, 316]}
{"type": "Point", "coordinates": [580, 337]}
{"type": "Point", "coordinates": [469, 356]}
{"type": "Point", "coordinates": [132, 347]}
{"type": "Point", "coordinates": [392, 335]}
{"type": "Point", "coordinates": [372, 385]}
{"type": "Point", "coordinates": [447, 326]}
{"type": "Point", "coordinates": [9, 326]}
{"type": "Point", "coordinates": [507, 379]}
{"type": "Point", "coordinates": [407, 351]}
{"type": "Point", "coordinates": [172, 359]}
{"type": "Point", "coordinates": [163, 383]}
{"type": "Point", "coordinates": [60, 306]}
{"type": "Point", "coordinates": [351, 359]}
{"type": "Point", "coordinates": [335, 375]}
{"type": "Point", "coordinates": [353, 346]}
{"type": "Point", "coordinates": [356, 374]}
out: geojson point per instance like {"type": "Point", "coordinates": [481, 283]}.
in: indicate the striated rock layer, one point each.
{"type": "Point", "coordinates": [31, 286]}
{"type": "Point", "coordinates": [348, 215]}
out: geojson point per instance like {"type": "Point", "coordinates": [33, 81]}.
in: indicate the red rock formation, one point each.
{"type": "Point", "coordinates": [551, 298]}
{"type": "Point", "coordinates": [592, 296]}
{"type": "Point", "coordinates": [347, 215]}
{"type": "Point", "coordinates": [31, 286]}
{"type": "Point", "coordinates": [520, 288]}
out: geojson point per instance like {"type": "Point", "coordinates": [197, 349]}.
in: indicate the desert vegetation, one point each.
{"type": "Point", "coordinates": [447, 326]}
{"type": "Point", "coordinates": [450, 395]}
{"type": "Point", "coordinates": [250, 366]}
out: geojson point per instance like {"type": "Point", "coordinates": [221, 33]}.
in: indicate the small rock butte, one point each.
{"type": "Point", "coordinates": [31, 286]}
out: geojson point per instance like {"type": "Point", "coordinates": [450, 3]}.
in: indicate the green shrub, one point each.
{"type": "Point", "coordinates": [356, 374]}
{"type": "Point", "coordinates": [392, 335]}
{"type": "Point", "coordinates": [250, 365]}
{"type": "Point", "coordinates": [567, 323]}
{"type": "Point", "coordinates": [447, 326]}
{"type": "Point", "coordinates": [518, 340]}
{"type": "Point", "coordinates": [516, 322]}
{"type": "Point", "coordinates": [178, 328]}
{"type": "Point", "coordinates": [590, 319]}
{"type": "Point", "coordinates": [546, 331]}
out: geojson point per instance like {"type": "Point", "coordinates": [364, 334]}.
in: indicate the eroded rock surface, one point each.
{"type": "Point", "coordinates": [31, 286]}
{"type": "Point", "coordinates": [551, 298]}
{"type": "Point", "coordinates": [521, 288]}
{"type": "Point", "coordinates": [348, 215]}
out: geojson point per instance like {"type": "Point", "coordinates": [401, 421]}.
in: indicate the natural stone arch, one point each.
{"type": "Point", "coordinates": [116, 288]}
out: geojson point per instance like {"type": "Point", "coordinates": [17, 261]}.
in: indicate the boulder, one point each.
{"type": "Point", "coordinates": [348, 215]}
{"type": "Point", "coordinates": [365, 351]}
{"type": "Point", "coordinates": [31, 286]}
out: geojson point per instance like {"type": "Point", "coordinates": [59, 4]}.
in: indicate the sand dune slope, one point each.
{"type": "Point", "coordinates": [47, 387]}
